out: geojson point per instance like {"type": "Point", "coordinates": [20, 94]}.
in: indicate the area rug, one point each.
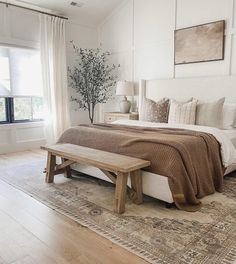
{"type": "Point", "coordinates": [151, 231]}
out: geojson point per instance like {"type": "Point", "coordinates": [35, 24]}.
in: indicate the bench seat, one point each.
{"type": "Point", "coordinates": [115, 166]}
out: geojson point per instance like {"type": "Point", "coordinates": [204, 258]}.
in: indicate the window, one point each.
{"type": "Point", "coordinates": [20, 85]}
{"type": "Point", "coordinates": [3, 112]}
{"type": "Point", "coordinates": [4, 74]}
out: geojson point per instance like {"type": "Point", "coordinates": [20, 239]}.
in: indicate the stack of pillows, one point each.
{"type": "Point", "coordinates": [192, 112]}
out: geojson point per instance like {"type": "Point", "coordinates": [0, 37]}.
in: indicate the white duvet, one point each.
{"type": "Point", "coordinates": [228, 151]}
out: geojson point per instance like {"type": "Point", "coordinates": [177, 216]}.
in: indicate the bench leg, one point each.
{"type": "Point", "coordinates": [67, 172]}
{"type": "Point", "coordinates": [51, 163]}
{"type": "Point", "coordinates": [137, 186]}
{"type": "Point", "coordinates": [120, 195]}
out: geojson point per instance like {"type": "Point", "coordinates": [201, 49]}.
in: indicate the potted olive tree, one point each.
{"type": "Point", "coordinates": [92, 78]}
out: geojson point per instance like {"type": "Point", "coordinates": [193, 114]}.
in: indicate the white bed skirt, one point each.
{"type": "Point", "coordinates": [154, 185]}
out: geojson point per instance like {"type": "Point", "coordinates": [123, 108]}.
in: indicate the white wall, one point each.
{"type": "Point", "coordinates": [21, 27]}
{"type": "Point", "coordinates": [140, 35]}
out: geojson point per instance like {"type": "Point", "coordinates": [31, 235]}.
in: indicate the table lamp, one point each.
{"type": "Point", "coordinates": [125, 88]}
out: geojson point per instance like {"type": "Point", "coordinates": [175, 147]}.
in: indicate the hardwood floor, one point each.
{"type": "Point", "coordinates": [32, 233]}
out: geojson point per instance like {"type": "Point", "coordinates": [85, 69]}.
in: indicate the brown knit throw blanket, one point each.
{"type": "Point", "coordinates": [191, 160]}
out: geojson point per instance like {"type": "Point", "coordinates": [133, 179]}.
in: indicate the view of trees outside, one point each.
{"type": "Point", "coordinates": [20, 83]}
{"type": "Point", "coordinates": [22, 108]}
{"type": "Point", "coordinates": [4, 84]}
{"type": "Point", "coordinates": [20, 72]}
{"type": "Point", "coordinates": [28, 108]}
{"type": "Point", "coordinates": [25, 108]}
{"type": "Point", "coordinates": [2, 110]}
{"type": "Point", "coordinates": [37, 107]}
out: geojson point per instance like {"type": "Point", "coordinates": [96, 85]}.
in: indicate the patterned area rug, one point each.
{"type": "Point", "coordinates": [151, 231]}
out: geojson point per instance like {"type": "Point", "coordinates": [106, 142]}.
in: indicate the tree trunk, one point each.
{"type": "Point", "coordinates": [89, 113]}
{"type": "Point", "coordinates": [92, 113]}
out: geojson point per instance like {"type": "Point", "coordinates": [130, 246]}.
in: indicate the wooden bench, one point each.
{"type": "Point", "coordinates": [116, 167]}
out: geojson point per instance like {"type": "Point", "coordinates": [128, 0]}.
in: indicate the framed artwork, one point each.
{"type": "Point", "coordinates": [200, 43]}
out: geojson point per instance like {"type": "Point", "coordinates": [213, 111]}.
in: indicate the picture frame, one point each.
{"type": "Point", "coordinates": [201, 43]}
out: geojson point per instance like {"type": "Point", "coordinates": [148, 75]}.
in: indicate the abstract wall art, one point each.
{"type": "Point", "coordinates": [200, 43]}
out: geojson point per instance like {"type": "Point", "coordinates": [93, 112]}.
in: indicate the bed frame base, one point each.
{"type": "Point", "coordinates": [169, 205]}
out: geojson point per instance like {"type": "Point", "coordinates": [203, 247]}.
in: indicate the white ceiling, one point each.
{"type": "Point", "coordinates": [91, 13]}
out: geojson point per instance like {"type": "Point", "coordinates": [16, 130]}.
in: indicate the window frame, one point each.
{"type": "Point", "coordinates": [7, 111]}
{"type": "Point", "coordinates": [9, 105]}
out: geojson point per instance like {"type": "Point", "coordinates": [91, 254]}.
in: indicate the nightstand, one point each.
{"type": "Point", "coordinates": [113, 116]}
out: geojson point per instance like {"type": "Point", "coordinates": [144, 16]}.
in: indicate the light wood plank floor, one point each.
{"type": "Point", "coordinates": [32, 233]}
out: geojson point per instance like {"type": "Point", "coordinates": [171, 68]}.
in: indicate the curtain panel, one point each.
{"type": "Point", "coordinates": [54, 76]}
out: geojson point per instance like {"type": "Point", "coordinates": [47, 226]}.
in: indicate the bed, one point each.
{"type": "Point", "coordinates": [155, 185]}
{"type": "Point", "coordinates": [231, 135]}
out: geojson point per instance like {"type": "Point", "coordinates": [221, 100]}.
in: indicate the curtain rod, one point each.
{"type": "Point", "coordinates": [31, 9]}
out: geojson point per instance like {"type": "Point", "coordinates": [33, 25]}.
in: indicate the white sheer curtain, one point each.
{"type": "Point", "coordinates": [54, 74]}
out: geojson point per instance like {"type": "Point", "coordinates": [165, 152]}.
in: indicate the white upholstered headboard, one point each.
{"type": "Point", "coordinates": [203, 88]}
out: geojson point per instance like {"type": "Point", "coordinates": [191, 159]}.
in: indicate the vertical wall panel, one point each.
{"type": "Point", "coordinates": [154, 21]}
{"type": "Point", "coordinates": [154, 61]}
{"type": "Point", "coordinates": [233, 56]}
{"type": "Point", "coordinates": [116, 32]}
{"type": "Point", "coordinates": [116, 36]}
{"type": "Point", "coordinates": [234, 14]}
{"type": "Point", "coordinates": [2, 20]}
{"type": "Point", "coordinates": [233, 42]}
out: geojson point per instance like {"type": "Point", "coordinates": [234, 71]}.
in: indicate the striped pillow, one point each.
{"type": "Point", "coordinates": [182, 113]}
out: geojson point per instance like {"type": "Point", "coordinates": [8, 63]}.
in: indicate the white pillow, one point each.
{"type": "Point", "coordinates": [229, 116]}
{"type": "Point", "coordinates": [182, 113]}
{"type": "Point", "coordinates": [210, 113]}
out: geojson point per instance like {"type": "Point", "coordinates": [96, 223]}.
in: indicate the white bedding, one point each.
{"type": "Point", "coordinates": [231, 133]}
{"type": "Point", "coordinates": [228, 151]}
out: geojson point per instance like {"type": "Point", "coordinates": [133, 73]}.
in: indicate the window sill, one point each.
{"type": "Point", "coordinates": [26, 124]}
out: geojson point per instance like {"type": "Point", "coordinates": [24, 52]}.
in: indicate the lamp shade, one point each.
{"type": "Point", "coordinates": [125, 88]}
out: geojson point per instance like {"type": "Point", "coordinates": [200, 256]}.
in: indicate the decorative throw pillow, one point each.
{"type": "Point", "coordinates": [229, 116]}
{"type": "Point", "coordinates": [182, 113]}
{"type": "Point", "coordinates": [155, 111]}
{"type": "Point", "coordinates": [210, 114]}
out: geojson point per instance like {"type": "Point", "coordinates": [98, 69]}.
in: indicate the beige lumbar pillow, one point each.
{"type": "Point", "coordinates": [210, 114]}
{"type": "Point", "coordinates": [182, 113]}
{"type": "Point", "coordinates": [155, 111]}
